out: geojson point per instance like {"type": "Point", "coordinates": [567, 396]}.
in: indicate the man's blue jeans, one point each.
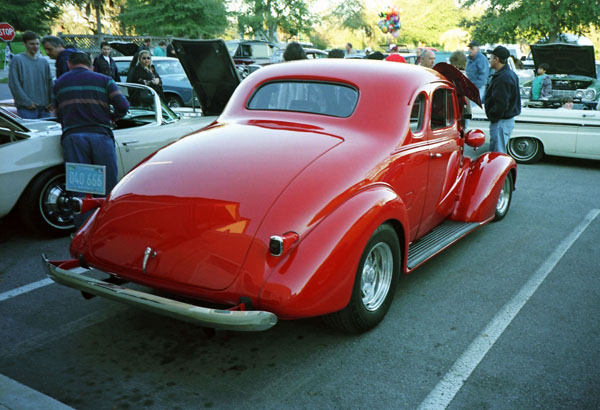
{"type": "Point", "coordinates": [500, 133]}
{"type": "Point", "coordinates": [91, 148]}
{"type": "Point", "coordinates": [37, 112]}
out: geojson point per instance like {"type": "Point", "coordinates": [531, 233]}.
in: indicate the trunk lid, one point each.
{"type": "Point", "coordinates": [198, 203]}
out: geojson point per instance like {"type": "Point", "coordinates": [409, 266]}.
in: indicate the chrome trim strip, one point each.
{"type": "Point", "coordinates": [252, 320]}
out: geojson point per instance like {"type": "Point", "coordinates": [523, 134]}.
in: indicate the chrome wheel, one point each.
{"type": "Point", "coordinates": [376, 276]}
{"type": "Point", "coordinates": [48, 204]}
{"type": "Point", "coordinates": [504, 199]}
{"type": "Point", "coordinates": [525, 149]}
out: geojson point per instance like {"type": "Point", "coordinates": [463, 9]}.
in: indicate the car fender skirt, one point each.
{"type": "Point", "coordinates": [479, 195]}
{"type": "Point", "coordinates": [69, 273]}
{"type": "Point", "coordinates": [317, 276]}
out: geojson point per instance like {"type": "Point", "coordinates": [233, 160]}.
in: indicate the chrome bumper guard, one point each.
{"type": "Point", "coordinates": [250, 320]}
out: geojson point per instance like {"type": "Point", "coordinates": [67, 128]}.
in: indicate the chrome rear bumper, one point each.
{"type": "Point", "coordinates": [67, 274]}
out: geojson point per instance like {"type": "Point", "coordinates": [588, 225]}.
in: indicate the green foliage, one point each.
{"type": "Point", "coordinates": [189, 18]}
{"type": "Point", "coordinates": [508, 20]}
{"type": "Point", "coordinates": [33, 15]}
{"type": "Point", "coordinates": [265, 18]}
{"type": "Point", "coordinates": [424, 23]}
{"type": "Point", "coordinates": [351, 14]}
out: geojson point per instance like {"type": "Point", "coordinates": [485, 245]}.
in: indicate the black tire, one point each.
{"type": "Point", "coordinates": [504, 199]}
{"type": "Point", "coordinates": [173, 101]}
{"type": "Point", "coordinates": [525, 150]}
{"type": "Point", "coordinates": [379, 265]}
{"type": "Point", "coordinates": [38, 204]}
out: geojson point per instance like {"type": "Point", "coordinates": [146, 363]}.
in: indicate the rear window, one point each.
{"type": "Point", "coordinates": [335, 100]}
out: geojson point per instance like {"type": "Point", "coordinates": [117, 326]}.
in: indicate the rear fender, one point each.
{"type": "Point", "coordinates": [318, 274]}
{"type": "Point", "coordinates": [480, 192]}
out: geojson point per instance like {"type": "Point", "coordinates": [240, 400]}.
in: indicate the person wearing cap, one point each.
{"type": "Point", "coordinates": [82, 99]}
{"type": "Point", "coordinates": [502, 100]}
{"type": "Point", "coordinates": [478, 68]}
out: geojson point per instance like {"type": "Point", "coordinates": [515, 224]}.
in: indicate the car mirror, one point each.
{"type": "Point", "coordinates": [475, 138]}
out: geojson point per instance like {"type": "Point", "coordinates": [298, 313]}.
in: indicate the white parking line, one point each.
{"type": "Point", "coordinates": [25, 289]}
{"type": "Point", "coordinates": [445, 391]}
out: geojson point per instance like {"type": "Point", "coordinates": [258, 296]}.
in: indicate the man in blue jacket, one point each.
{"type": "Point", "coordinates": [502, 100]}
{"type": "Point", "coordinates": [55, 48]}
{"type": "Point", "coordinates": [478, 68]}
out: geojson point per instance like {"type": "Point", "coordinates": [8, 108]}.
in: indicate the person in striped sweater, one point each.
{"type": "Point", "coordinates": [82, 99]}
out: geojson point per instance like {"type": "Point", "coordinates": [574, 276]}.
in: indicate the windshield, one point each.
{"type": "Point", "coordinates": [336, 100]}
{"type": "Point", "coordinates": [231, 47]}
{"type": "Point", "coordinates": [165, 67]}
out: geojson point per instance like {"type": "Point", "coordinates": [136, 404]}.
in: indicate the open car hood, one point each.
{"type": "Point", "coordinates": [127, 48]}
{"type": "Point", "coordinates": [464, 87]}
{"type": "Point", "coordinates": [211, 72]}
{"type": "Point", "coordinates": [564, 58]}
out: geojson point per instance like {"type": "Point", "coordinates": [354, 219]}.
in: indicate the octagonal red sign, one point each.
{"type": "Point", "coordinates": [7, 32]}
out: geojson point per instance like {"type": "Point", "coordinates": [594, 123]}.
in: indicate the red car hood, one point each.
{"type": "Point", "coordinates": [199, 202]}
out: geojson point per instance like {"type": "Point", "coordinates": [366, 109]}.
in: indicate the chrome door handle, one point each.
{"type": "Point", "coordinates": [130, 142]}
{"type": "Point", "coordinates": [436, 155]}
{"type": "Point", "coordinates": [588, 115]}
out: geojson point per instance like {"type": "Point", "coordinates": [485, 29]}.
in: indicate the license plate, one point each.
{"type": "Point", "coordinates": [86, 178]}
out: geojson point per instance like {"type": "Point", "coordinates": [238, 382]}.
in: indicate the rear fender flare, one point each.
{"type": "Point", "coordinates": [318, 274]}
{"type": "Point", "coordinates": [480, 192]}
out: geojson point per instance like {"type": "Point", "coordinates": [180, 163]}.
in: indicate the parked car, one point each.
{"type": "Point", "coordinates": [308, 196]}
{"type": "Point", "coordinates": [552, 131]}
{"type": "Point", "coordinates": [248, 52]}
{"type": "Point", "coordinates": [311, 54]}
{"type": "Point", "coordinates": [176, 86]}
{"type": "Point", "coordinates": [32, 171]}
{"type": "Point", "coordinates": [572, 71]}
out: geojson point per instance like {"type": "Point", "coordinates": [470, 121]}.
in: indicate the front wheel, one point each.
{"type": "Point", "coordinates": [374, 284]}
{"type": "Point", "coordinates": [174, 101]}
{"type": "Point", "coordinates": [38, 206]}
{"type": "Point", "coordinates": [525, 150]}
{"type": "Point", "coordinates": [504, 199]}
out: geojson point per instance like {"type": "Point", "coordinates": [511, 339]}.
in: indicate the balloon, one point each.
{"type": "Point", "coordinates": [395, 34]}
{"type": "Point", "coordinates": [384, 29]}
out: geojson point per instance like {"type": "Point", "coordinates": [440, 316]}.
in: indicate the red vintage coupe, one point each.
{"type": "Point", "coordinates": [318, 185]}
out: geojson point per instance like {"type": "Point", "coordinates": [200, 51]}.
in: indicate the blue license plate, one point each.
{"type": "Point", "coordinates": [86, 178]}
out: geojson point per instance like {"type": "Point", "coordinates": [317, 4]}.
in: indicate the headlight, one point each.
{"type": "Point", "coordinates": [579, 94]}
{"type": "Point", "coordinates": [525, 92]}
{"type": "Point", "coordinates": [589, 94]}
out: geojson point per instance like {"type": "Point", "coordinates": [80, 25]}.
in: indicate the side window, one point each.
{"type": "Point", "coordinates": [441, 109]}
{"type": "Point", "coordinates": [450, 105]}
{"type": "Point", "coordinates": [416, 114]}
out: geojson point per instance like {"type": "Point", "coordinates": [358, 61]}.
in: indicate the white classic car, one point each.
{"type": "Point", "coordinates": [552, 131]}
{"type": "Point", "coordinates": [32, 171]}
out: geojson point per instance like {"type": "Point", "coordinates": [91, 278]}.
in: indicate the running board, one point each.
{"type": "Point", "coordinates": [437, 240]}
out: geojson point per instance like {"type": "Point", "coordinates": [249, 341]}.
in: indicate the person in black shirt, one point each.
{"type": "Point", "coordinates": [104, 63]}
{"type": "Point", "coordinates": [502, 100]}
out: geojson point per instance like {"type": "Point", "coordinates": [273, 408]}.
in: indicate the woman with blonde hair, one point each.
{"type": "Point", "coordinates": [145, 73]}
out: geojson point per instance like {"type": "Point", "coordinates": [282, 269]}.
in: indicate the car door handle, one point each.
{"type": "Point", "coordinates": [588, 115]}
{"type": "Point", "coordinates": [130, 142]}
{"type": "Point", "coordinates": [436, 155]}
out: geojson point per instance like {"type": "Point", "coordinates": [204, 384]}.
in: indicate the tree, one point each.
{"type": "Point", "coordinates": [189, 18]}
{"type": "Point", "coordinates": [508, 20]}
{"type": "Point", "coordinates": [263, 19]}
{"type": "Point", "coordinates": [34, 15]}
{"type": "Point", "coordinates": [351, 14]}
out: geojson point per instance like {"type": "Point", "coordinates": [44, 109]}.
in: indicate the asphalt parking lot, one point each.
{"type": "Point", "coordinates": [507, 318]}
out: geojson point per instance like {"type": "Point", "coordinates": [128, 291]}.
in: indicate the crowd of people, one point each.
{"type": "Point", "coordinates": [85, 115]}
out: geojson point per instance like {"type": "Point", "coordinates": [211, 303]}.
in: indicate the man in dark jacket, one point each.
{"type": "Point", "coordinates": [502, 100]}
{"type": "Point", "coordinates": [55, 48]}
{"type": "Point", "coordinates": [104, 63]}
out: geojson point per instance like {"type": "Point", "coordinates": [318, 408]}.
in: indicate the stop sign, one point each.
{"type": "Point", "coordinates": [7, 32]}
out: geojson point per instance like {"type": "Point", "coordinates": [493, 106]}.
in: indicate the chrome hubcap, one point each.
{"type": "Point", "coordinates": [54, 189]}
{"type": "Point", "coordinates": [502, 204]}
{"type": "Point", "coordinates": [524, 148]}
{"type": "Point", "coordinates": [376, 277]}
